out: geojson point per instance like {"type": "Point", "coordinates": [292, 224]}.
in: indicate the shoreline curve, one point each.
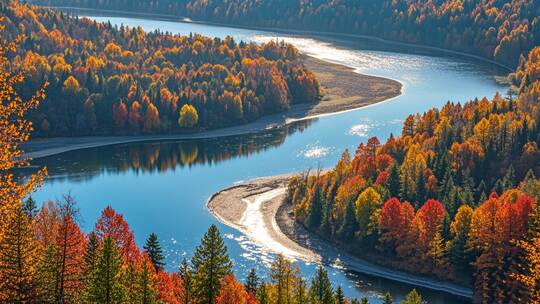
{"type": "Point", "coordinates": [343, 90]}
{"type": "Point", "coordinates": [229, 207]}
{"type": "Point", "coordinates": [183, 19]}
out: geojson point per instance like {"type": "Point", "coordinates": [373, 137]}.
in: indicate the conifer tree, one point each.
{"type": "Point", "coordinates": [412, 298]}
{"type": "Point", "coordinates": [145, 285]}
{"type": "Point", "coordinates": [187, 279]}
{"type": "Point", "coordinates": [420, 188]}
{"type": "Point", "coordinates": [388, 298]}
{"type": "Point", "coordinates": [350, 223]}
{"type": "Point", "coordinates": [393, 181]}
{"type": "Point", "coordinates": [364, 300]}
{"type": "Point", "coordinates": [262, 294]}
{"type": "Point", "coordinates": [283, 275]}
{"type": "Point", "coordinates": [154, 251]}
{"type": "Point", "coordinates": [105, 286]}
{"type": "Point", "coordinates": [47, 275]}
{"type": "Point", "coordinates": [300, 292]}
{"type": "Point", "coordinates": [340, 296]}
{"type": "Point", "coordinates": [30, 207]}
{"type": "Point", "coordinates": [315, 211]}
{"type": "Point", "coordinates": [320, 290]}
{"type": "Point", "coordinates": [252, 281]}
{"type": "Point", "coordinates": [210, 264]}
{"type": "Point", "coordinates": [18, 259]}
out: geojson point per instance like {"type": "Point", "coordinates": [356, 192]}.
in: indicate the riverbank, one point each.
{"type": "Point", "coordinates": [343, 90]}
{"type": "Point", "coordinates": [233, 205]}
{"type": "Point", "coordinates": [289, 31]}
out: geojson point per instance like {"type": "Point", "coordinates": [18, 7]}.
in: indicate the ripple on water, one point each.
{"type": "Point", "coordinates": [314, 151]}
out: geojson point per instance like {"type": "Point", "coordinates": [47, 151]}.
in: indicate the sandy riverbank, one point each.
{"type": "Point", "coordinates": [342, 88]}
{"type": "Point", "coordinates": [262, 202]}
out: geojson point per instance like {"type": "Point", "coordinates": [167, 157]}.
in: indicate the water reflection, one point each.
{"type": "Point", "coordinates": [160, 157]}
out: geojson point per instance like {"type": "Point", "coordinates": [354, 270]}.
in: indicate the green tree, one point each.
{"type": "Point", "coordinates": [154, 251]}
{"type": "Point", "coordinates": [210, 263]}
{"type": "Point", "coordinates": [252, 281]}
{"type": "Point", "coordinates": [18, 258]}
{"type": "Point", "coordinates": [146, 293]}
{"type": "Point", "coordinates": [29, 207]}
{"type": "Point", "coordinates": [315, 211]}
{"type": "Point", "coordinates": [186, 275]}
{"type": "Point", "coordinates": [320, 290]}
{"type": "Point", "coordinates": [340, 296]}
{"type": "Point", "coordinates": [350, 224]}
{"type": "Point", "coordinates": [412, 297]}
{"type": "Point", "coordinates": [283, 275]}
{"type": "Point", "coordinates": [388, 298]}
{"type": "Point", "coordinates": [105, 286]}
{"type": "Point", "coordinates": [300, 292]}
{"type": "Point", "coordinates": [393, 181]}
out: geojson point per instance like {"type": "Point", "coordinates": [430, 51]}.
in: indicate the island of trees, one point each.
{"type": "Point", "coordinates": [45, 257]}
{"type": "Point", "coordinates": [499, 30]}
{"type": "Point", "coordinates": [104, 79]}
{"type": "Point", "coordinates": [455, 196]}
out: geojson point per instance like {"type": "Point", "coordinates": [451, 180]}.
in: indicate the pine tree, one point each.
{"type": "Point", "coordinates": [18, 258]}
{"type": "Point", "coordinates": [262, 294]}
{"type": "Point", "coordinates": [252, 281]}
{"type": "Point", "coordinates": [364, 300]}
{"type": "Point", "coordinates": [29, 207]}
{"type": "Point", "coordinates": [412, 298]}
{"type": "Point", "coordinates": [284, 276]}
{"type": "Point", "coordinates": [154, 251]}
{"type": "Point", "coordinates": [47, 275]}
{"type": "Point", "coordinates": [388, 298]}
{"type": "Point", "coordinates": [145, 289]}
{"type": "Point", "coordinates": [89, 261]}
{"type": "Point", "coordinates": [393, 181]}
{"type": "Point", "coordinates": [320, 290]}
{"type": "Point", "coordinates": [187, 279]}
{"type": "Point", "coordinates": [300, 292]}
{"type": "Point", "coordinates": [420, 188]}
{"type": "Point", "coordinates": [315, 211]}
{"type": "Point", "coordinates": [105, 286]}
{"type": "Point", "coordinates": [350, 223]}
{"type": "Point", "coordinates": [211, 263]}
{"type": "Point", "coordinates": [340, 296]}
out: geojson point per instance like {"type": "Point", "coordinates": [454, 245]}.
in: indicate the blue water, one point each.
{"type": "Point", "coordinates": [163, 187]}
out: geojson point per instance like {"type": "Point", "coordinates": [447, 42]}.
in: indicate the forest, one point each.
{"type": "Point", "coordinates": [103, 79]}
{"type": "Point", "coordinates": [45, 257]}
{"type": "Point", "coordinates": [498, 30]}
{"type": "Point", "coordinates": [454, 196]}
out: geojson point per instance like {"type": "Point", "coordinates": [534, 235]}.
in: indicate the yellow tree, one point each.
{"type": "Point", "coordinates": [188, 116]}
{"type": "Point", "coordinates": [18, 259]}
{"type": "Point", "coordinates": [14, 130]}
{"type": "Point", "coordinates": [17, 244]}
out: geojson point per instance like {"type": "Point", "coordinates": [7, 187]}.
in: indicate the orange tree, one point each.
{"type": "Point", "coordinates": [14, 130]}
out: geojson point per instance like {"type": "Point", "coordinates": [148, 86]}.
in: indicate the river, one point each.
{"type": "Point", "coordinates": [163, 187]}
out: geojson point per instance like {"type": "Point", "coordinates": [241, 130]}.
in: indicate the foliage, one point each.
{"type": "Point", "coordinates": [499, 30]}
{"type": "Point", "coordinates": [440, 220]}
{"type": "Point", "coordinates": [117, 80]}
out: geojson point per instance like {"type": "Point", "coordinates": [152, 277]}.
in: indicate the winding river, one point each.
{"type": "Point", "coordinates": [163, 187]}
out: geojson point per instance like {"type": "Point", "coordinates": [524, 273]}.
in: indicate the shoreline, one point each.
{"type": "Point", "coordinates": [343, 90]}
{"type": "Point", "coordinates": [183, 19]}
{"type": "Point", "coordinates": [229, 206]}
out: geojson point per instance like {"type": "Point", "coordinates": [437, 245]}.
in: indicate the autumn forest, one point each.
{"type": "Point", "coordinates": [453, 197]}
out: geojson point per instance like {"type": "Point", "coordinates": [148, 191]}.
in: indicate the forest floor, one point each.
{"type": "Point", "coordinates": [271, 224]}
{"type": "Point", "coordinates": [343, 90]}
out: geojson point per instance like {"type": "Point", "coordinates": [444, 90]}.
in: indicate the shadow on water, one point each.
{"type": "Point", "coordinates": [162, 156]}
